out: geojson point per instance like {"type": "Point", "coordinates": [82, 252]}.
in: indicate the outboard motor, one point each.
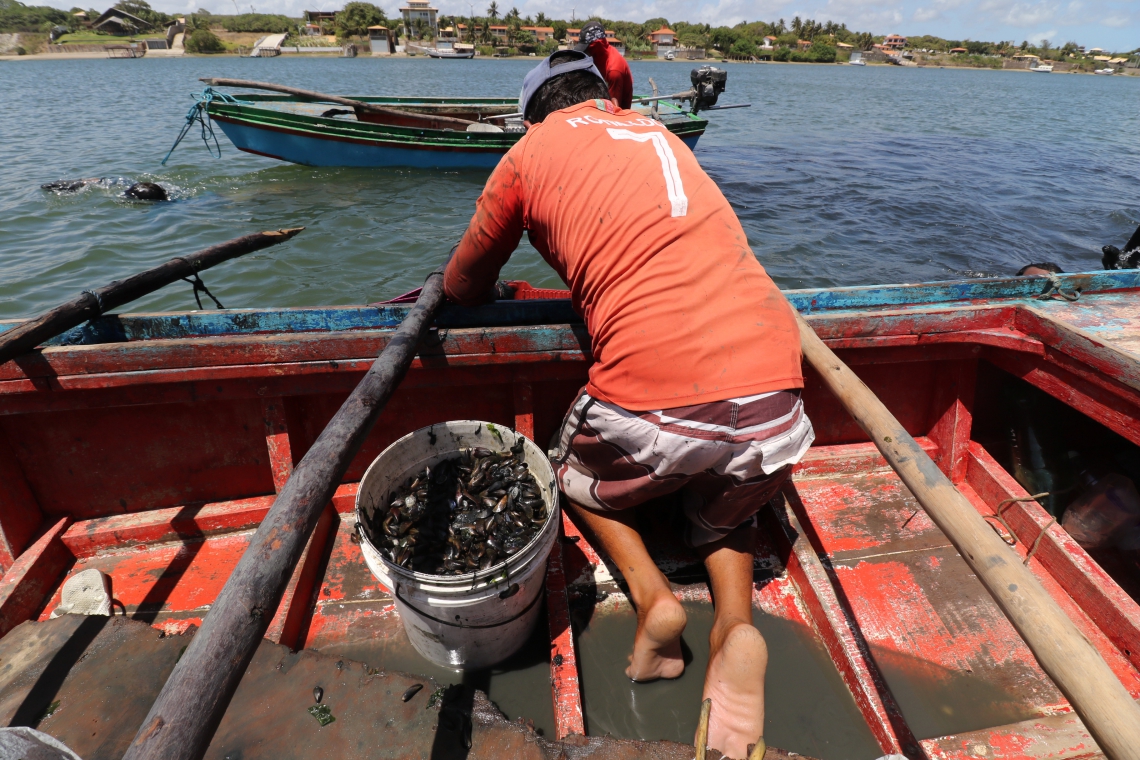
{"type": "Point", "coordinates": [708, 84]}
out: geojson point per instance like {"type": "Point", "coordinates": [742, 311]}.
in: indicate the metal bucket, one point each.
{"type": "Point", "coordinates": [466, 621]}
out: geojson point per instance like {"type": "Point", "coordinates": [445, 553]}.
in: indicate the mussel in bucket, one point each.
{"type": "Point", "coordinates": [461, 515]}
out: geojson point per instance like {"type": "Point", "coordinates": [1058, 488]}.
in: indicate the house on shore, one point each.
{"type": "Point", "coordinates": [420, 10]}
{"type": "Point", "coordinates": [319, 22]}
{"type": "Point", "coordinates": [118, 22]}
{"type": "Point", "coordinates": [894, 42]}
{"type": "Point", "coordinates": [540, 33]}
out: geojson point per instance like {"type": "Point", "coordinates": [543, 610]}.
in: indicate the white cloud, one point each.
{"type": "Point", "coordinates": [1117, 21]}
{"type": "Point", "coordinates": [1037, 37]}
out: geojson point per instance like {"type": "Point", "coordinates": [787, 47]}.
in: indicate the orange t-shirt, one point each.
{"type": "Point", "coordinates": [678, 308]}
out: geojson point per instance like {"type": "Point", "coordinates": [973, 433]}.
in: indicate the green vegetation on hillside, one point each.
{"type": "Point", "coordinates": [17, 17]}
{"type": "Point", "coordinates": [269, 23]}
{"type": "Point", "coordinates": [204, 41]}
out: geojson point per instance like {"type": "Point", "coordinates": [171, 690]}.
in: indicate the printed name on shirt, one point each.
{"type": "Point", "coordinates": [642, 122]}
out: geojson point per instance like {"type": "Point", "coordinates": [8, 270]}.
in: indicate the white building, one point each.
{"type": "Point", "coordinates": [420, 10]}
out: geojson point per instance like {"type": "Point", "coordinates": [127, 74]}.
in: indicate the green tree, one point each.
{"type": "Point", "coordinates": [864, 40]}
{"type": "Point", "coordinates": [541, 19]}
{"type": "Point", "coordinates": [723, 38]}
{"type": "Point", "coordinates": [204, 41]}
{"type": "Point", "coordinates": [560, 28]}
{"type": "Point", "coordinates": [356, 17]}
{"type": "Point", "coordinates": [493, 10]}
{"type": "Point", "coordinates": [142, 9]}
{"type": "Point", "coordinates": [742, 48]}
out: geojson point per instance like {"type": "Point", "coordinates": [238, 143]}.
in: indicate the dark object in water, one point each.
{"type": "Point", "coordinates": [1044, 266]}
{"type": "Point", "coordinates": [322, 713]}
{"type": "Point", "coordinates": [1129, 258]}
{"type": "Point", "coordinates": [412, 691]}
{"type": "Point", "coordinates": [462, 515]}
{"type": "Point", "coordinates": [318, 694]}
{"type": "Point", "coordinates": [70, 185]}
{"type": "Point", "coordinates": [147, 191]}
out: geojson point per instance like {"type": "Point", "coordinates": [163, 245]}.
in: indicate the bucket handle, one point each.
{"type": "Point", "coordinates": [511, 619]}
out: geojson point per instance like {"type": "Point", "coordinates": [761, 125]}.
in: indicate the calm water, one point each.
{"type": "Point", "coordinates": [841, 176]}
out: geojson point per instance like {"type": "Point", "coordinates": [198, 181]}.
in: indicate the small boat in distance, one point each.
{"type": "Point", "coordinates": [1042, 68]}
{"type": "Point", "coordinates": [1105, 72]}
{"type": "Point", "coordinates": [298, 126]}
{"type": "Point", "coordinates": [450, 52]}
{"type": "Point", "coordinates": [856, 59]}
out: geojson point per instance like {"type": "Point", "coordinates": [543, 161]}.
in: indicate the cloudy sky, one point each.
{"type": "Point", "coordinates": [1109, 24]}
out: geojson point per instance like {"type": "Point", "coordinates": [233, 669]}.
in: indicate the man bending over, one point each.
{"type": "Point", "coordinates": [696, 380]}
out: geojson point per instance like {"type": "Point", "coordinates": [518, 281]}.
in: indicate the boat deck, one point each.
{"type": "Point", "coordinates": [151, 445]}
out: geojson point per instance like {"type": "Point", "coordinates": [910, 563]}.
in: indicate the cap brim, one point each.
{"type": "Point", "coordinates": [581, 47]}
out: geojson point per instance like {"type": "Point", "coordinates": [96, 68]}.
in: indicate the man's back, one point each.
{"type": "Point", "coordinates": [679, 310]}
{"type": "Point", "coordinates": [615, 70]}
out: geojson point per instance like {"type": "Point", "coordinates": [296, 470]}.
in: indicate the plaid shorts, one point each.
{"type": "Point", "coordinates": [728, 458]}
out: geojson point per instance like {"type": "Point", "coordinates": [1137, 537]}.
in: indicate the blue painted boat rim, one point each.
{"type": "Point", "coordinates": [114, 328]}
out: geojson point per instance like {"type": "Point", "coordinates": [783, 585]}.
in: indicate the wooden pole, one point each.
{"type": "Point", "coordinates": [190, 706]}
{"type": "Point", "coordinates": [1062, 650]}
{"type": "Point", "coordinates": [701, 743]}
{"type": "Point", "coordinates": [92, 303]}
{"type": "Point", "coordinates": [320, 96]}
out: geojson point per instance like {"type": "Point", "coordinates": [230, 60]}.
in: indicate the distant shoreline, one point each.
{"type": "Point", "coordinates": [698, 62]}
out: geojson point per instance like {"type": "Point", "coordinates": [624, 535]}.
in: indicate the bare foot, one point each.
{"type": "Point", "coordinates": [734, 682]}
{"type": "Point", "coordinates": [657, 645]}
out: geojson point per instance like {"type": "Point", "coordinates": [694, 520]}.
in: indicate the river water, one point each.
{"type": "Point", "coordinates": [840, 175]}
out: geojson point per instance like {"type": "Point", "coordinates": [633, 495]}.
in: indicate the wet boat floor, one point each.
{"type": "Point", "coordinates": [89, 682]}
{"type": "Point", "coordinates": [948, 657]}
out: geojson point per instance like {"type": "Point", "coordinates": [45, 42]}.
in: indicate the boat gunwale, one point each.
{"type": "Point", "coordinates": [117, 328]}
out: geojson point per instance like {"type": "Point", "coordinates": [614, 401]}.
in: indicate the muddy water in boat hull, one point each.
{"type": "Point", "coordinates": [520, 687]}
{"type": "Point", "coordinates": [809, 710]}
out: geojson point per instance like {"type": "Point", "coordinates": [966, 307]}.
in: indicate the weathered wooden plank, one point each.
{"type": "Point", "coordinates": [835, 627]}
{"type": "Point", "coordinates": [953, 417]}
{"type": "Point", "coordinates": [1055, 737]}
{"type": "Point", "coordinates": [33, 577]}
{"type": "Point", "coordinates": [20, 513]}
{"type": "Point", "coordinates": [277, 442]}
{"type": "Point", "coordinates": [295, 610]}
{"type": "Point", "coordinates": [564, 678]}
{"type": "Point", "coordinates": [1115, 613]}
{"type": "Point", "coordinates": [1116, 412]}
{"type": "Point", "coordinates": [87, 538]}
{"type": "Point", "coordinates": [1039, 322]}
{"type": "Point", "coordinates": [849, 459]}
{"type": "Point", "coordinates": [286, 348]}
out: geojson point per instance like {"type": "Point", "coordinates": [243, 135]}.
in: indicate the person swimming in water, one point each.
{"type": "Point", "coordinates": [141, 191]}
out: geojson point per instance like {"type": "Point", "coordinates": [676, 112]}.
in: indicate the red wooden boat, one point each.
{"type": "Point", "coordinates": [150, 446]}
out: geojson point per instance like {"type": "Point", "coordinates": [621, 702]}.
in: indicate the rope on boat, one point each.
{"type": "Point", "coordinates": [1053, 291]}
{"type": "Point", "coordinates": [199, 286]}
{"type": "Point", "coordinates": [199, 113]}
{"type": "Point", "coordinates": [1012, 540]}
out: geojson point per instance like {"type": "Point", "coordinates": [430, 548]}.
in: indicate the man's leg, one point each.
{"type": "Point", "coordinates": [660, 617]}
{"type": "Point", "coordinates": [738, 656]}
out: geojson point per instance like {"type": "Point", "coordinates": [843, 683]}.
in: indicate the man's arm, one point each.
{"type": "Point", "coordinates": [491, 237]}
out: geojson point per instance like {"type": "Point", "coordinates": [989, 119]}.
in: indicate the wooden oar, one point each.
{"type": "Point", "coordinates": [92, 303]}
{"type": "Point", "coordinates": [322, 97]}
{"type": "Point", "coordinates": [190, 706]}
{"type": "Point", "coordinates": [1062, 650]}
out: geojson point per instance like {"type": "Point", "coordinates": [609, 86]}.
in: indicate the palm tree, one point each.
{"type": "Point", "coordinates": [797, 25]}
{"type": "Point", "coordinates": [540, 19]}
{"type": "Point", "coordinates": [513, 13]}
{"type": "Point", "coordinates": [493, 10]}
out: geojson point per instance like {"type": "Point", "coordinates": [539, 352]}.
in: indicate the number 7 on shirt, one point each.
{"type": "Point", "coordinates": [673, 186]}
